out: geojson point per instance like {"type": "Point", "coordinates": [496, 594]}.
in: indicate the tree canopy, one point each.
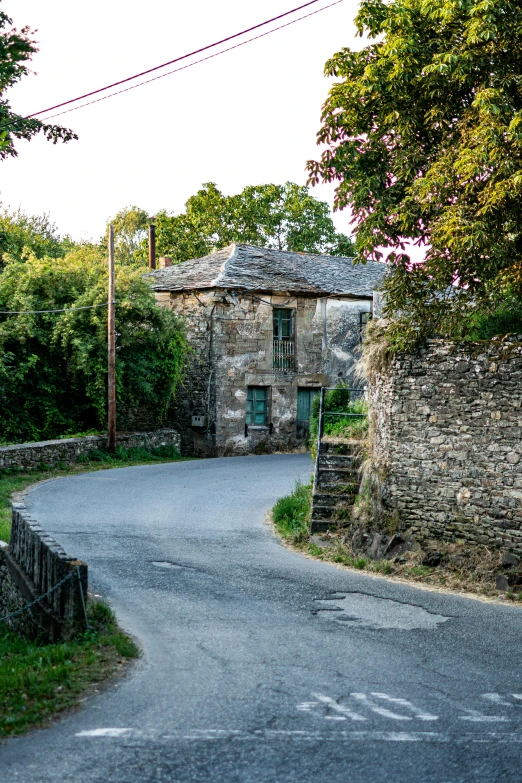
{"type": "Point", "coordinates": [285, 217]}
{"type": "Point", "coordinates": [423, 137]}
{"type": "Point", "coordinates": [22, 234]}
{"type": "Point", "coordinates": [16, 50]}
{"type": "Point", "coordinates": [53, 366]}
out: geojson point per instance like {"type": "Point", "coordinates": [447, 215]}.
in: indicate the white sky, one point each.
{"type": "Point", "coordinates": [247, 117]}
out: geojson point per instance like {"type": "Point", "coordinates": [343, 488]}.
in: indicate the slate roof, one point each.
{"type": "Point", "coordinates": [251, 268]}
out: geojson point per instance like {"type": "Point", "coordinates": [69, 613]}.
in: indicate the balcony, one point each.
{"type": "Point", "coordinates": [284, 355]}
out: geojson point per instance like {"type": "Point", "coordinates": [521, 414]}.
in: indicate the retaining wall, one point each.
{"type": "Point", "coordinates": [447, 440]}
{"type": "Point", "coordinates": [30, 456]}
{"type": "Point", "coordinates": [32, 564]}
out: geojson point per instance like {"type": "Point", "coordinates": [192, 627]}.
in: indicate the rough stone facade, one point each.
{"type": "Point", "coordinates": [32, 565]}
{"type": "Point", "coordinates": [231, 336]}
{"type": "Point", "coordinates": [31, 456]}
{"type": "Point", "coordinates": [447, 440]}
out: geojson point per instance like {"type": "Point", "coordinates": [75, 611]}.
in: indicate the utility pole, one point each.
{"type": "Point", "coordinates": [152, 246]}
{"type": "Point", "coordinates": [111, 401]}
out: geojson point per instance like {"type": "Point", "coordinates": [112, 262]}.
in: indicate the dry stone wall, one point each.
{"type": "Point", "coordinates": [32, 565]}
{"type": "Point", "coordinates": [447, 440]}
{"type": "Point", "coordinates": [49, 453]}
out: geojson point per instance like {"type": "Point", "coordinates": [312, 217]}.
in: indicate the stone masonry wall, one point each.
{"type": "Point", "coordinates": [32, 565]}
{"type": "Point", "coordinates": [30, 456]}
{"type": "Point", "coordinates": [447, 435]}
{"type": "Point", "coordinates": [231, 336]}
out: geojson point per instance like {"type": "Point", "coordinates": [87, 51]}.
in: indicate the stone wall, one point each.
{"type": "Point", "coordinates": [31, 456]}
{"type": "Point", "coordinates": [31, 565]}
{"type": "Point", "coordinates": [231, 336]}
{"type": "Point", "coordinates": [447, 442]}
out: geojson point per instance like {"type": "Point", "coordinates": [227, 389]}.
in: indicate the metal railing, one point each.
{"type": "Point", "coordinates": [284, 355]}
{"type": "Point", "coordinates": [358, 393]}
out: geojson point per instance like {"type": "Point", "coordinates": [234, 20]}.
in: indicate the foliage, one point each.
{"type": "Point", "coordinates": [130, 232]}
{"type": "Point", "coordinates": [53, 366]}
{"type": "Point", "coordinates": [21, 235]}
{"type": "Point", "coordinates": [16, 49]}
{"type": "Point", "coordinates": [423, 135]}
{"type": "Point", "coordinates": [38, 680]}
{"type": "Point", "coordinates": [132, 454]}
{"type": "Point", "coordinates": [285, 217]}
{"type": "Point", "coordinates": [338, 401]}
{"type": "Point", "coordinates": [291, 514]}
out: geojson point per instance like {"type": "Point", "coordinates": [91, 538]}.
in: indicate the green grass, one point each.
{"type": "Point", "coordinates": [291, 514]}
{"type": "Point", "coordinates": [12, 480]}
{"type": "Point", "coordinates": [39, 680]}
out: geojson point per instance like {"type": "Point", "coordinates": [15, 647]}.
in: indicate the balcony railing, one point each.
{"type": "Point", "coordinates": [284, 355]}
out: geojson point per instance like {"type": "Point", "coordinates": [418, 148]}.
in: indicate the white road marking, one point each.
{"type": "Point", "coordinates": [338, 707]}
{"type": "Point", "coordinates": [363, 699]}
{"type": "Point", "coordinates": [307, 706]}
{"type": "Point", "coordinates": [105, 733]}
{"type": "Point", "coordinates": [474, 716]}
{"type": "Point", "coordinates": [496, 698]}
{"type": "Point", "coordinates": [420, 714]}
{"type": "Point", "coordinates": [213, 735]}
{"type": "Point", "coordinates": [517, 696]}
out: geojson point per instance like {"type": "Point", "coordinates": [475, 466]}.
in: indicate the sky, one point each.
{"type": "Point", "coordinates": [247, 117]}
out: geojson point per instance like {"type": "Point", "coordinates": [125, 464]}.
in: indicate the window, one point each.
{"type": "Point", "coordinates": [364, 319]}
{"type": "Point", "coordinates": [284, 339]}
{"type": "Point", "coordinates": [256, 411]}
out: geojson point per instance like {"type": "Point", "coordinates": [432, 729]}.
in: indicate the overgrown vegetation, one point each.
{"type": "Point", "coordinates": [53, 366]}
{"type": "Point", "coordinates": [39, 680]}
{"type": "Point", "coordinates": [13, 480]}
{"type": "Point", "coordinates": [344, 417]}
{"type": "Point", "coordinates": [453, 566]}
{"type": "Point", "coordinates": [291, 514]}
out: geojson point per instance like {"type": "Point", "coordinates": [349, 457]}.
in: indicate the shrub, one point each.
{"type": "Point", "coordinates": [291, 514]}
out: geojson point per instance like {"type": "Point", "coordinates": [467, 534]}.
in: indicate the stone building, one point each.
{"type": "Point", "coordinates": [268, 328]}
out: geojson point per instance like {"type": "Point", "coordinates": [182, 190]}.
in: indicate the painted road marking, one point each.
{"type": "Point", "coordinates": [420, 714]}
{"type": "Point", "coordinates": [362, 698]}
{"type": "Point", "coordinates": [475, 716]}
{"type": "Point", "coordinates": [105, 733]}
{"type": "Point", "coordinates": [213, 735]}
{"type": "Point", "coordinates": [345, 711]}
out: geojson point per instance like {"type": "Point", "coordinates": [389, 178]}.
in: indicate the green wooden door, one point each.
{"type": "Point", "coordinates": [304, 410]}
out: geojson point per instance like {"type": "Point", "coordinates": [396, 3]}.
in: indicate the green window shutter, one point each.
{"type": "Point", "coordinates": [283, 323]}
{"type": "Point", "coordinates": [256, 409]}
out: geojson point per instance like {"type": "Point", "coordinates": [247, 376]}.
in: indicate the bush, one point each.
{"type": "Point", "coordinates": [338, 401]}
{"type": "Point", "coordinates": [291, 514]}
{"type": "Point", "coordinates": [53, 366]}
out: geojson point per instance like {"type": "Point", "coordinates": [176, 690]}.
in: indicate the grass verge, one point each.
{"type": "Point", "coordinates": [37, 681]}
{"type": "Point", "coordinates": [460, 567]}
{"type": "Point", "coordinates": [12, 481]}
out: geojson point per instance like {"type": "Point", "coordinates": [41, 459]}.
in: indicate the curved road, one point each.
{"type": "Point", "coordinates": [261, 665]}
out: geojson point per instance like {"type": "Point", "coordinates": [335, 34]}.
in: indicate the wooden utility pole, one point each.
{"type": "Point", "coordinates": [111, 401]}
{"type": "Point", "coordinates": [152, 246]}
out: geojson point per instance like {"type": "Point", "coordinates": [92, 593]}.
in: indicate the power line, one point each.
{"type": "Point", "coordinates": [64, 310]}
{"type": "Point", "coordinates": [196, 62]}
{"type": "Point", "coordinates": [164, 65]}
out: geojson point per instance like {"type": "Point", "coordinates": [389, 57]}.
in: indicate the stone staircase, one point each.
{"type": "Point", "coordinates": [336, 483]}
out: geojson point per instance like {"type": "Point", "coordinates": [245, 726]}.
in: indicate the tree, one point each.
{"type": "Point", "coordinates": [130, 230]}
{"type": "Point", "coordinates": [21, 235]}
{"type": "Point", "coordinates": [423, 135]}
{"type": "Point", "coordinates": [16, 49]}
{"type": "Point", "coordinates": [53, 366]}
{"type": "Point", "coordinates": [285, 217]}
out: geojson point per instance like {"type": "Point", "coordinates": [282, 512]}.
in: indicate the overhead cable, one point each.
{"type": "Point", "coordinates": [184, 67]}
{"type": "Point", "coordinates": [164, 65]}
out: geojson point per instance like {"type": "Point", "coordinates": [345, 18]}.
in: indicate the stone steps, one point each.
{"type": "Point", "coordinates": [336, 484]}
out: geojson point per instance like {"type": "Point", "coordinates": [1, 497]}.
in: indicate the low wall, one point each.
{"type": "Point", "coordinates": [30, 456]}
{"type": "Point", "coordinates": [32, 565]}
{"type": "Point", "coordinates": [447, 442]}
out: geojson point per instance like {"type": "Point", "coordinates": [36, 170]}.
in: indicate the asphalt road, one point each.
{"type": "Point", "coordinates": [261, 665]}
